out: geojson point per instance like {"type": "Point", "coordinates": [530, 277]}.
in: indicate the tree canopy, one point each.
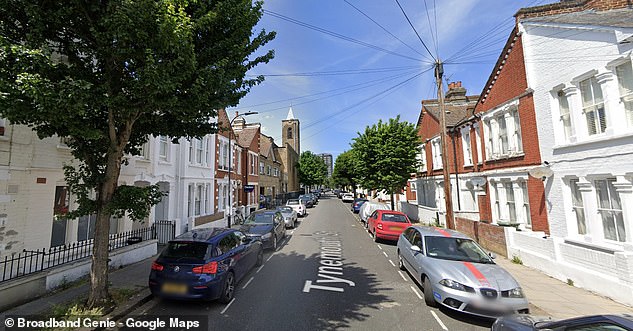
{"type": "Point", "coordinates": [345, 169]}
{"type": "Point", "coordinates": [311, 169]}
{"type": "Point", "coordinates": [385, 155]}
{"type": "Point", "coordinates": [109, 74]}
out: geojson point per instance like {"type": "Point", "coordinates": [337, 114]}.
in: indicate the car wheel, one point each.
{"type": "Point", "coordinates": [285, 234]}
{"type": "Point", "coordinates": [428, 293]}
{"type": "Point", "coordinates": [274, 243]}
{"type": "Point", "coordinates": [373, 234]}
{"type": "Point", "coordinates": [400, 262]}
{"type": "Point", "coordinates": [260, 258]}
{"type": "Point", "coordinates": [228, 291]}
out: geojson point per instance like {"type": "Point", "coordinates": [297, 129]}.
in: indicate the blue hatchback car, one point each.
{"type": "Point", "coordinates": [204, 264]}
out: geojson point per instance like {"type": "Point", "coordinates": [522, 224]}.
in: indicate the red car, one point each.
{"type": "Point", "coordinates": [387, 224]}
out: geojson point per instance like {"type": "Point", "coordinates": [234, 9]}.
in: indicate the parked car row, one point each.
{"type": "Point", "coordinates": [453, 270]}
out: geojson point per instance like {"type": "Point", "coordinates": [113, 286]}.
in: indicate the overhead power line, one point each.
{"type": "Point", "coordinates": [337, 35]}
{"type": "Point", "coordinates": [385, 29]}
{"type": "Point", "coordinates": [414, 30]}
{"type": "Point", "coordinates": [340, 72]}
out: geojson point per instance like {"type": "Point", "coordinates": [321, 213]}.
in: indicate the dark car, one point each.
{"type": "Point", "coordinates": [204, 264]}
{"type": "Point", "coordinates": [307, 200]}
{"type": "Point", "coordinates": [594, 322]}
{"type": "Point", "coordinates": [266, 225]}
{"type": "Point", "coordinates": [357, 203]}
{"type": "Point", "coordinates": [314, 197]}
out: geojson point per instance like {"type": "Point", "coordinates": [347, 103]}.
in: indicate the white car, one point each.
{"type": "Point", "coordinates": [348, 197]}
{"type": "Point", "coordinates": [367, 208]}
{"type": "Point", "coordinates": [298, 206]}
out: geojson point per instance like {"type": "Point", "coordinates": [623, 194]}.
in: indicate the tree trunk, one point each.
{"type": "Point", "coordinates": [99, 295]}
{"type": "Point", "coordinates": [392, 202]}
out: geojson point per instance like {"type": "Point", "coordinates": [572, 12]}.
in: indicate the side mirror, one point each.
{"type": "Point", "coordinates": [492, 255]}
{"type": "Point", "coordinates": [246, 240]}
{"type": "Point", "coordinates": [416, 249]}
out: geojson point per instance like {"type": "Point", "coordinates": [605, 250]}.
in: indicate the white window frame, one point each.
{"type": "Point", "coordinates": [594, 106]}
{"type": "Point", "coordinates": [422, 158]}
{"type": "Point", "coordinates": [625, 87]}
{"type": "Point", "coordinates": [199, 148]}
{"type": "Point", "coordinates": [436, 151]}
{"type": "Point", "coordinates": [163, 149]}
{"type": "Point", "coordinates": [503, 132]}
{"type": "Point", "coordinates": [578, 207]}
{"type": "Point", "coordinates": [564, 115]}
{"type": "Point", "coordinates": [611, 212]}
{"type": "Point", "coordinates": [467, 147]}
{"type": "Point", "coordinates": [480, 158]}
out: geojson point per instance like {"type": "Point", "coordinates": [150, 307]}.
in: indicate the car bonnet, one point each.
{"type": "Point", "coordinates": [476, 275]}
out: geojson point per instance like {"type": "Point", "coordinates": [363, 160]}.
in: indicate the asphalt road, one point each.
{"type": "Point", "coordinates": [290, 292]}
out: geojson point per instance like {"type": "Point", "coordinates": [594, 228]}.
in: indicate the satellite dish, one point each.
{"type": "Point", "coordinates": [541, 172]}
{"type": "Point", "coordinates": [478, 181]}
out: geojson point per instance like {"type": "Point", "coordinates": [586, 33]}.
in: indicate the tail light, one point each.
{"type": "Point", "coordinates": [379, 225]}
{"type": "Point", "coordinates": [157, 266]}
{"type": "Point", "coordinates": [209, 268]}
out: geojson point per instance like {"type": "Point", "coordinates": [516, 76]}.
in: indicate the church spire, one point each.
{"type": "Point", "coordinates": [290, 116]}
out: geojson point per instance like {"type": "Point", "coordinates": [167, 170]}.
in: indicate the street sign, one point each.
{"type": "Point", "coordinates": [249, 188]}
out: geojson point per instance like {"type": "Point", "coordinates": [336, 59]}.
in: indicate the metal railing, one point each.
{"type": "Point", "coordinates": [31, 261]}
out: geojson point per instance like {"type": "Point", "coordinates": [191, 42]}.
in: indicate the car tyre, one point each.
{"type": "Point", "coordinates": [260, 258]}
{"type": "Point", "coordinates": [274, 243]}
{"type": "Point", "coordinates": [376, 239]}
{"type": "Point", "coordinates": [428, 293]}
{"type": "Point", "coordinates": [400, 262]}
{"type": "Point", "coordinates": [228, 290]}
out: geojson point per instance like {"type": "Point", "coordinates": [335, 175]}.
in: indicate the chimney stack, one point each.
{"type": "Point", "coordinates": [456, 92]}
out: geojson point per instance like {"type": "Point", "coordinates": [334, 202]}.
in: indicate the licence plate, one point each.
{"type": "Point", "coordinates": [174, 288]}
{"type": "Point", "coordinates": [395, 228]}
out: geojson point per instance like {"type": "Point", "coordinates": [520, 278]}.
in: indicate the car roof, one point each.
{"type": "Point", "coordinates": [622, 319]}
{"type": "Point", "coordinates": [265, 211]}
{"type": "Point", "coordinates": [395, 212]}
{"type": "Point", "coordinates": [431, 231]}
{"type": "Point", "coordinates": [203, 235]}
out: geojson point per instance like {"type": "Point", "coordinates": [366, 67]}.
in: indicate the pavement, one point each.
{"type": "Point", "coordinates": [548, 296]}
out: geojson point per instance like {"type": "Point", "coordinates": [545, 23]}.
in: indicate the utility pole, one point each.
{"type": "Point", "coordinates": [448, 197]}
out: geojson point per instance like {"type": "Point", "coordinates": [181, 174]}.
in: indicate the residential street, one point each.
{"type": "Point", "coordinates": [283, 294]}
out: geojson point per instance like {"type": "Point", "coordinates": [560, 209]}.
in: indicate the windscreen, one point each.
{"type": "Point", "coordinates": [458, 249]}
{"type": "Point", "coordinates": [190, 251]}
{"type": "Point", "coordinates": [259, 218]}
{"type": "Point", "coordinates": [396, 218]}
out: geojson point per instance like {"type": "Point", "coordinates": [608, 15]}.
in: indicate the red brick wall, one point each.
{"type": "Point", "coordinates": [571, 6]}
{"type": "Point", "coordinates": [538, 211]}
{"type": "Point", "coordinates": [490, 237]}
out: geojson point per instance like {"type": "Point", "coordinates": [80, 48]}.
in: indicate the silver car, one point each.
{"type": "Point", "coordinates": [290, 216]}
{"type": "Point", "coordinates": [457, 273]}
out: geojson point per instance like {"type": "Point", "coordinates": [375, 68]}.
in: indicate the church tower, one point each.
{"type": "Point", "coordinates": [290, 132]}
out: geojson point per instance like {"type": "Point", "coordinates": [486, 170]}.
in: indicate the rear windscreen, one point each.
{"type": "Point", "coordinates": [394, 218]}
{"type": "Point", "coordinates": [185, 250]}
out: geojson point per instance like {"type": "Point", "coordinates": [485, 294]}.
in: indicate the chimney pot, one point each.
{"type": "Point", "coordinates": [237, 113]}
{"type": "Point", "coordinates": [459, 83]}
{"type": "Point", "coordinates": [451, 85]}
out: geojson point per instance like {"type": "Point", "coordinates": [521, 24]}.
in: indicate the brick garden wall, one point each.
{"type": "Point", "coordinates": [489, 236]}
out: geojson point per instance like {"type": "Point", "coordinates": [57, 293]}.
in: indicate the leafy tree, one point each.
{"type": "Point", "coordinates": [311, 169]}
{"type": "Point", "coordinates": [345, 170]}
{"type": "Point", "coordinates": [108, 74]}
{"type": "Point", "coordinates": [386, 155]}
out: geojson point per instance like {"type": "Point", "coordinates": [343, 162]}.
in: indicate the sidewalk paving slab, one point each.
{"type": "Point", "coordinates": [556, 298]}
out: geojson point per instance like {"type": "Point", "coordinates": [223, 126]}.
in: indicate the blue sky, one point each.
{"type": "Point", "coordinates": [345, 86]}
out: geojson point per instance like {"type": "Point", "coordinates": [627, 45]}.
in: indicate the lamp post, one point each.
{"type": "Point", "coordinates": [230, 206]}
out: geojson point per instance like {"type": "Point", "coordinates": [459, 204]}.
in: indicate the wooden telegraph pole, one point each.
{"type": "Point", "coordinates": [448, 197]}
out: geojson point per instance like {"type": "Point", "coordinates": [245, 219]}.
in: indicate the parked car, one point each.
{"type": "Point", "coordinates": [387, 224]}
{"type": "Point", "coordinates": [204, 264]}
{"type": "Point", "coordinates": [267, 225]}
{"type": "Point", "coordinates": [290, 216]}
{"type": "Point", "coordinates": [357, 203]}
{"type": "Point", "coordinates": [298, 206]}
{"type": "Point", "coordinates": [368, 208]}
{"type": "Point", "coordinates": [340, 194]}
{"type": "Point", "coordinates": [593, 322]}
{"type": "Point", "coordinates": [314, 197]}
{"type": "Point", "coordinates": [457, 273]}
{"type": "Point", "coordinates": [348, 197]}
{"type": "Point", "coordinates": [307, 200]}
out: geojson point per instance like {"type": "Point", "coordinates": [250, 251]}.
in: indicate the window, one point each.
{"type": "Point", "coordinates": [510, 204]}
{"type": "Point", "coordinates": [436, 146]}
{"type": "Point", "coordinates": [593, 106]}
{"type": "Point", "coordinates": [610, 210]}
{"type": "Point", "coordinates": [197, 201]}
{"type": "Point", "coordinates": [3, 125]}
{"type": "Point", "coordinates": [207, 197]}
{"type": "Point", "coordinates": [238, 154]}
{"type": "Point", "coordinates": [289, 133]}
{"type": "Point", "coordinates": [565, 116]}
{"type": "Point", "coordinates": [261, 168]}
{"type": "Point", "coordinates": [190, 201]}
{"type": "Point", "coordinates": [268, 170]}
{"type": "Point", "coordinates": [163, 150]}
{"type": "Point", "coordinates": [496, 200]}
{"type": "Point", "coordinates": [223, 162]}
{"type": "Point", "coordinates": [578, 206]}
{"type": "Point", "coordinates": [480, 158]}
{"type": "Point", "coordinates": [468, 159]}
{"type": "Point", "coordinates": [199, 151]}
{"type": "Point", "coordinates": [143, 151]}
{"type": "Point", "coordinates": [526, 203]}
{"type": "Point", "coordinates": [422, 158]}
{"type": "Point", "coordinates": [503, 133]}
{"type": "Point", "coordinates": [624, 73]}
